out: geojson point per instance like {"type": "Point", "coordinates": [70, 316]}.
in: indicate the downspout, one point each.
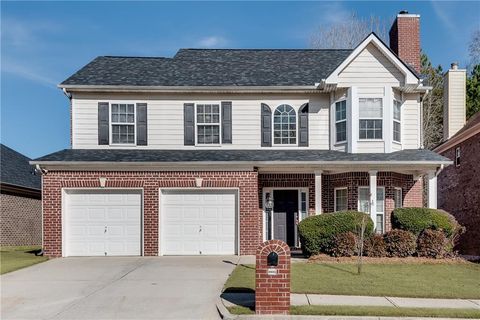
{"type": "Point", "coordinates": [41, 172]}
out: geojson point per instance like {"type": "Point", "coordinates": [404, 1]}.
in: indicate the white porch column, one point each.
{"type": "Point", "coordinates": [318, 191]}
{"type": "Point", "coordinates": [432, 190]}
{"type": "Point", "coordinates": [373, 197]}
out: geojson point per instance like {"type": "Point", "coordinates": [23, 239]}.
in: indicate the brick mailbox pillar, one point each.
{"type": "Point", "coordinates": [272, 278]}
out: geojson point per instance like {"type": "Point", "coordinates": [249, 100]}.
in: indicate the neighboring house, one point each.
{"type": "Point", "coordinates": [20, 200]}
{"type": "Point", "coordinates": [190, 154]}
{"type": "Point", "coordinates": [459, 184]}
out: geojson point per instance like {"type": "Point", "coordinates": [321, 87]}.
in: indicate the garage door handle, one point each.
{"type": "Point", "coordinates": [105, 231]}
{"type": "Point", "coordinates": [200, 229]}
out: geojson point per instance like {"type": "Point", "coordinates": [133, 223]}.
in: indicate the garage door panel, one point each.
{"type": "Point", "coordinates": [99, 222]}
{"type": "Point", "coordinates": [198, 222]}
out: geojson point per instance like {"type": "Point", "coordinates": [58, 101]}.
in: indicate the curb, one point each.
{"type": "Point", "coordinates": [223, 311]}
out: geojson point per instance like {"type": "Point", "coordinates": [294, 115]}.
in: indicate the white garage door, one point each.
{"type": "Point", "coordinates": [103, 223]}
{"type": "Point", "coordinates": [198, 222]}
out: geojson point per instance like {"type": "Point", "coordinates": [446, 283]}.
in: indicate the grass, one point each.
{"type": "Point", "coordinates": [372, 311]}
{"type": "Point", "coordinates": [14, 258]}
{"type": "Point", "coordinates": [457, 280]}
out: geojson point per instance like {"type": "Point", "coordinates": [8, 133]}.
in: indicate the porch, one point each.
{"type": "Point", "coordinates": [288, 198]}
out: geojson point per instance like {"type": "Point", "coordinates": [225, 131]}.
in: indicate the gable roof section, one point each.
{"type": "Point", "coordinates": [16, 170]}
{"type": "Point", "coordinates": [213, 67]}
{"type": "Point", "coordinates": [411, 77]}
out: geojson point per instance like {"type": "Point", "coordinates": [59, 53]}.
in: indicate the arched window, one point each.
{"type": "Point", "coordinates": [284, 125]}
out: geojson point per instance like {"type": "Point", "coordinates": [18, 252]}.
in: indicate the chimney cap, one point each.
{"type": "Point", "coordinates": [454, 65]}
{"type": "Point", "coordinates": [403, 12]}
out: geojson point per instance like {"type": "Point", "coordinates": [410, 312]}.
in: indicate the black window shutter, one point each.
{"type": "Point", "coordinates": [141, 124]}
{"type": "Point", "coordinates": [189, 124]}
{"type": "Point", "coordinates": [103, 123]}
{"type": "Point", "coordinates": [266, 126]}
{"type": "Point", "coordinates": [226, 122]}
{"type": "Point", "coordinates": [303, 126]}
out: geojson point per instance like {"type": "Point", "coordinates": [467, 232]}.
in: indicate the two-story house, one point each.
{"type": "Point", "coordinates": [214, 151]}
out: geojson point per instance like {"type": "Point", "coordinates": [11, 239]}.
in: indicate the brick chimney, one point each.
{"type": "Point", "coordinates": [454, 100]}
{"type": "Point", "coordinates": [405, 38]}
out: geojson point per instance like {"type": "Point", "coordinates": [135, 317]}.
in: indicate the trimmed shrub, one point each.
{"type": "Point", "coordinates": [400, 243]}
{"type": "Point", "coordinates": [316, 232]}
{"type": "Point", "coordinates": [343, 245]}
{"type": "Point", "coordinates": [374, 246]}
{"type": "Point", "coordinates": [431, 244]}
{"type": "Point", "coordinates": [416, 220]}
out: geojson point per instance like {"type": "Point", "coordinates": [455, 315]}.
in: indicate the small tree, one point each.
{"type": "Point", "coordinates": [473, 92]}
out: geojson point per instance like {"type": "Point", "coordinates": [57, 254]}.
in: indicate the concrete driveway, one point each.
{"type": "Point", "coordinates": [116, 288]}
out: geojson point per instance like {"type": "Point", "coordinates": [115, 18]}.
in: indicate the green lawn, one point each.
{"type": "Point", "coordinates": [372, 311]}
{"type": "Point", "coordinates": [454, 280]}
{"type": "Point", "coordinates": [14, 258]}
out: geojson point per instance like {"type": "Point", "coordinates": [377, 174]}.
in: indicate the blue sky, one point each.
{"type": "Point", "coordinates": [42, 43]}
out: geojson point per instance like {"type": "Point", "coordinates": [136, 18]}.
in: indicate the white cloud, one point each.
{"type": "Point", "coordinates": [18, 33]}
{"type": "Point", "coordinates": [212, 41]}
{"type": "Point", "coordinates": [442, 13]}
{"type": "Point", "coordinates": [28, 73]}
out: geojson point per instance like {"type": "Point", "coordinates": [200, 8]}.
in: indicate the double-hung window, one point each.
{"type": "Point", "coordinates": [123, 123]}
{"type": "Point", "coordinates": [341, 199]}
{"type": "Point", "coordinates": [397, 121]}
{"type": "Point", "coordinates": [341, 121]}
{"type": "Point", "coordinates": [371, 118]}
{"type": "Point", "coordinates": [397, 197]}
{"type": "Point", "coordinates": [208, 123]}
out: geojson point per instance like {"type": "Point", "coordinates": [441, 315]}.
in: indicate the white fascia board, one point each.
{"type": "Point", "coordinates": [410, 77]}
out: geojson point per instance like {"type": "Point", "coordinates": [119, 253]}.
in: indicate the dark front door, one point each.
{"type": "Point", "coordinates": [285, 208]}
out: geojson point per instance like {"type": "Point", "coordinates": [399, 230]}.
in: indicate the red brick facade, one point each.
{"type": "Point", "coordinates": [272, 291]}
{"type": "Point", "coordinates": [245, 181]}
{"type": "Point", "coordinates": [249, 183]}
{"type": "Point", "coordinates": [405, 39]}
{"type": "Point", "coordinates": [459, 192]}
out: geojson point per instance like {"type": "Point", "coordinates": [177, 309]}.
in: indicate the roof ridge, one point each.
{"type": "Point", "coordinates": [136, 57]}
{"type": "Point", "coordinates": [263, 49]}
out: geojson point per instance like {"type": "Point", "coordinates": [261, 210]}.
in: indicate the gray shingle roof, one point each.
{"type": "Point", "coordinates": [16, 170]}
{"type": "Point", "coordinates": [137, 155]}
{"type": "Point", "coordinates": [214, 67]}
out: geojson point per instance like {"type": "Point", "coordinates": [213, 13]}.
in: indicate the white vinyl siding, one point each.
{"type": "Point", "coordinates": [411, 121]}
{"type": "Point", "coordinates": [371, 69]}
{"type": "Point", "coordinates": [165, 119]}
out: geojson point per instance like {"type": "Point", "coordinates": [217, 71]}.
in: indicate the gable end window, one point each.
{"type": "Point", "coordinates": [341, 121]}
{"type": "Point", "coordinates": [123, 123]}
{"type": "Point", "coordinates": [371, 118]}
{"type": "Point", "coordinates": [284, 125]}
{"type": "Point", "coordinates": [208, 123]}
{"type": "Point", "coordinates": [457, 156]}
{"type": "Point", "coordinates": [397, 121]}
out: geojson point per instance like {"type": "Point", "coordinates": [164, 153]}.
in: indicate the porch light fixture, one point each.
{"type": "Point", "coordinates": [268, 201]}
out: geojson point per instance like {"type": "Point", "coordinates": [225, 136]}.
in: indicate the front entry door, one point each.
{"type": "Point", "coordinates": [285, 211]}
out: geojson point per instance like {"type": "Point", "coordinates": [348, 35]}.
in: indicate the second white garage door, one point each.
{"type": "Point", "coordinates": [194, 222]}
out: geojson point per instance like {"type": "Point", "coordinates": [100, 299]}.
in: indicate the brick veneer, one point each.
{"type": "Point", "coordinates": [20, 220]}
{"type": "Point", "coordinates": [288, 180]}
{"type": "Point", "coordinates": [405, 39]}
{"type": "Point", "coordinates": [411, 190]}
{"type": "Point", "coordinates": [459, 192]}
{"type": "Point", "coordinates": [272, 292]}
{"type": "Point", "coordinates": [246, 181]}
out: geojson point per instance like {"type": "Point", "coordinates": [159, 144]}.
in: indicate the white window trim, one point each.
{"type": "Point", "coordinates": [372, 118]}
{"type": "Point", "coordinates": [111, 124]}
{"type": "Point", "coordinates": [207, 124]}
{"type": "Point", "coordinates": [401, 197]}
{"type": "Point", "coordinates": [296, 127]}
{"type": "Point", "coordinates": [377, 212]}
{"type": "Point", "coordinates": [397, 121]}
{"type": "Point", "coordinates": [339, 121]}
{"type": "Point", "coordinates": [335, 197]}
